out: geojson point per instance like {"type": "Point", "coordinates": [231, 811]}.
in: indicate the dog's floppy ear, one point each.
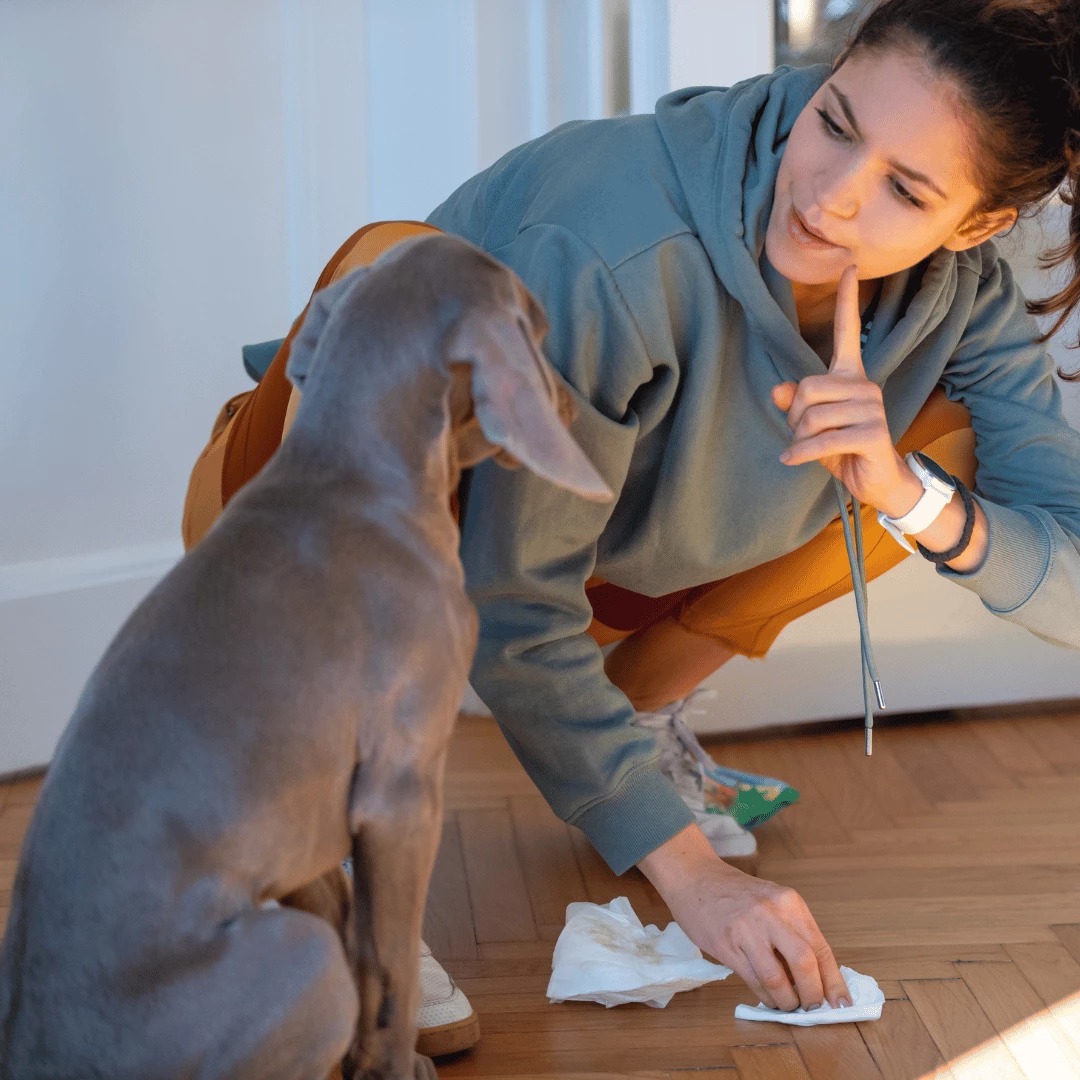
{"type": "Point", "coordinates": [517, 400]}
{"type": "Point", "coordinates": [302, 350]}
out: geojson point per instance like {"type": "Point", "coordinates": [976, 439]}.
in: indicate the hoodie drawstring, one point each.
{"type": "Point", "coordinates": [857, 562]}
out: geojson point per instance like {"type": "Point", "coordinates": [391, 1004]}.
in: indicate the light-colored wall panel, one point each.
{"type": "Point", "coordinates": [424, 119]}
{"type": "Point", "coordinates": [140, 173]}
{"type": "Point", "coordinates": [325, 106]}
{"type": "Point", "coordinates": [719, 42]}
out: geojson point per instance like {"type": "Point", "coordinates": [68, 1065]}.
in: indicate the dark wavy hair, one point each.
{"type": "Point", "coordinates": [1016, 65]}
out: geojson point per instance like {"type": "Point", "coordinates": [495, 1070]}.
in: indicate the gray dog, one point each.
{"type": "Point", "coordinates": [283, 699]}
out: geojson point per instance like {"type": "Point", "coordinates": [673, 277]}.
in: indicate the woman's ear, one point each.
{"type": "Point", "coordinates": [980, 226]}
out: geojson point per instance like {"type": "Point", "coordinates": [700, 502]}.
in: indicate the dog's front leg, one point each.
{"type": "Point", "coordinates": [394, 852]}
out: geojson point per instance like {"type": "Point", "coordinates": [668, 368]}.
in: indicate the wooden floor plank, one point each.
{"type": "Point", "coordinates": [1069, 936]}
{"type": "Point", "coordinates": [961, 1030]}
{"type": "Point", "coordinates": [497, 893]}
{"type": "Point", "coordinates": [13, 823]}
{"type": "Point", "coordinates": [926, 767]}
{"type": "Point", "coordinates": [841, 783]}
{"type": "Point", "coordinates": [24, 792]}
{"type": "Point", "coordinates": [552, 875]}
{"type": "Point", "coordinates": [1031, 1033]}
{"type": "Point", "coordinates": [835, 1052]}
{"type": "Point", "coordinates": [901, 1046]}
{"type": "Point", "coordinates": [970, 757]}
{"type": "Point", "coordinates": [883, 774]}
{"type": "Point", "coordinates": [952, 889]}
{"type": "Point", "coordinates": [1049, 967]}
{"type": "Point", "coordinates": [1055, 741]}
{"type": "Point", "coordinates": [1012, 750]}
{"type": "Point", "coordinates": [603, 886]}
{"type": "Point", "coordinates": [769, 1063]}
{"type": "Point", "coordinates": [448, 918]}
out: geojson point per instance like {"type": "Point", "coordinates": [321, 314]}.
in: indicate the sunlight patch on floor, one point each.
{"type": "Point", "coordinates": [1045, 1046]}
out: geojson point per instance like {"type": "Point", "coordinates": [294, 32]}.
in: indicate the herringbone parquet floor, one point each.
{"type": "Point", "coordinates": [947, 866]}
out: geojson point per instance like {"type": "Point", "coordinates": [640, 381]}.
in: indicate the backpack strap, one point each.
{"type": "Point", "coordinates": [248, 429]}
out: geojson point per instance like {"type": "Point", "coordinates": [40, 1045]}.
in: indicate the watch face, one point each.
{"type": "Point", "coordinates": [935, 470]}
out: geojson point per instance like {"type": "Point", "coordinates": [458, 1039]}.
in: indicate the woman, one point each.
{"type": "Point", "coordinates": [706, 273]}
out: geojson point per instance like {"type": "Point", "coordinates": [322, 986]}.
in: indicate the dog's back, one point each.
{"type": "Point", "coordinates": [211, 759]}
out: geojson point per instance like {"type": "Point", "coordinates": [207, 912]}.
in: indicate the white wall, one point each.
{"type": "Point", "coordinates": [719, 42]}
{"type": "Point", "coordinates": [173, 175]}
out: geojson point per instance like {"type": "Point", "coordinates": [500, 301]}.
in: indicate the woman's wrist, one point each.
{"type": "Point", "coordinates": [945, 530]}
{"type": "Point", "coordinates": [676, 862]}
{"type": "Point", "coordinates": [903, 495]}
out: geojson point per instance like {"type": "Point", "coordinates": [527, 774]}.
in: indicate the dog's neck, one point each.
{"type": "Point", "coordinates": [395, 445]}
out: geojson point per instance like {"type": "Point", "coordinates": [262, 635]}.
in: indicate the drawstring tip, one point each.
{"type": "Point", "coordinates": [880, 695]}
{"type": "Point", "coordinates": [869, 741]}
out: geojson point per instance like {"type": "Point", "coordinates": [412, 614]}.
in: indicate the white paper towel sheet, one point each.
{"type": "Point", "coordinates": [604, 954]}
{"type": "Point", "coordinates": [866, 1002]}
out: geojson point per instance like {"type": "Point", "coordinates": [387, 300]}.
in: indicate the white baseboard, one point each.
{"type": "Point", "coordinates": [22, 581]}
{"type": "Point", "coordinates": [56, 618]}
{"type": "Point", "coordinates": [936, 648]}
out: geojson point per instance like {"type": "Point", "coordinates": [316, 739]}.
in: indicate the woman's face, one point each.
{"type": "Point", "coordinates": [876, 172]}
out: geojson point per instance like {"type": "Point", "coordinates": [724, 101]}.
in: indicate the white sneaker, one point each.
{"type": "Point", "coordinates": [680, 762]}
{"type": "Point", "coordinates": [445, 1020]}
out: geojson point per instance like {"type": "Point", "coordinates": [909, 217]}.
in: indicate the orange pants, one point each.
{"type": "Point", "coordinates": [744, 613]}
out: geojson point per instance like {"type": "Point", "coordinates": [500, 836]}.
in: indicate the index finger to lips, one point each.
{"type": "Point", "coordinates": [847, 326]}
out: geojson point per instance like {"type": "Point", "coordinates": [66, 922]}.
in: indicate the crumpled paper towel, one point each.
{"type": "Point", "coordinates": [866, 1002]}
{"type": "Point", "coordinates": [604, 954]}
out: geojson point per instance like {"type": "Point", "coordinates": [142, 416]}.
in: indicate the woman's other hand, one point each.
{"type": "Point", "coordinates": [839, 419]}
{"type": "Point", "coordinates": [763, 932]}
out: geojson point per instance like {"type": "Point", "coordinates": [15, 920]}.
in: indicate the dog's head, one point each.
{"type": "Point", "coordinates": [504, 399]}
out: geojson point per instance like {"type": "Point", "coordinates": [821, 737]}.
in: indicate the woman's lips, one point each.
{"type": "Point", "coordinates": [802, 234]}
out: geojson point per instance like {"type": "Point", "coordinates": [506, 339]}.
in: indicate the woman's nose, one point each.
{"type": "Point", "coordinates": [837, 194]}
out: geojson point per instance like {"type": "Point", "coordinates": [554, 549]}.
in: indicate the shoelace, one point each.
{"type": "Point", "coordinates": [682, 730]}
{"type": "Point", "coordinates": [856, 561]}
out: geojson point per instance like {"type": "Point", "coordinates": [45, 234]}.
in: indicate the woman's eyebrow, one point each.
{"type": "Point", "coordinates": [911, 174]}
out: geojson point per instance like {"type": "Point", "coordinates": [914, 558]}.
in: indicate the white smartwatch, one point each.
{"type": "Point", "coordinates": [938, 490]}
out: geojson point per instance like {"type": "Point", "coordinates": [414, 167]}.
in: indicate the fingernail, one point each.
{"type": "Point", "coordinates": [844, 1003]}
{"type": "Point", "coordinates": [786, 455]}
{"type": "Point", "coordinates": [811, 1008]}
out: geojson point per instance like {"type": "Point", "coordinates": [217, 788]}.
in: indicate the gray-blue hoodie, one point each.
{"type": "Point", "coordinates": [642, 238]}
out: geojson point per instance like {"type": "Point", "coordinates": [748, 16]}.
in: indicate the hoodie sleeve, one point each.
{"type": "Point", "coordinates": [528, 548]}
{"type": "Point", "coordinates": [1028, 474]}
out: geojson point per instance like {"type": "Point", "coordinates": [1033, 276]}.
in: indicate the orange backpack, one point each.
{"type": "Point", "coordinates": [249, 427]}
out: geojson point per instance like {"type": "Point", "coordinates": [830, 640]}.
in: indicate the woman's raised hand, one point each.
{"type": "Point", "coordinates": [839, 420]}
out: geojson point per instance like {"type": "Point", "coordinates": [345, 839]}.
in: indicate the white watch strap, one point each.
{"type": "Point", "coordinates": [935, 498]}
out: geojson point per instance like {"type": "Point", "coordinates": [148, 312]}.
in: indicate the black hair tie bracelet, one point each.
{"type": "Point", "coordinates": [965, 537]}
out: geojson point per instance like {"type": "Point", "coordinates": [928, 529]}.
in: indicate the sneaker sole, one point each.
{"type": "Point", "coordinates": [448, 1038]}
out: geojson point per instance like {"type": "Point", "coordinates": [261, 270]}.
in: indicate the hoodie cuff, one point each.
{"type": "Point", "coordinates": [1017, 559]}
{"type": "Point", "coordinates": [635, 819]}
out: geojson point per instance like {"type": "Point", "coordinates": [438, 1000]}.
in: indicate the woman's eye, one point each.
{"type": "Point", "coordinates": [905, 194]}
{"type": "Point", "coordinates": [831, 126]}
